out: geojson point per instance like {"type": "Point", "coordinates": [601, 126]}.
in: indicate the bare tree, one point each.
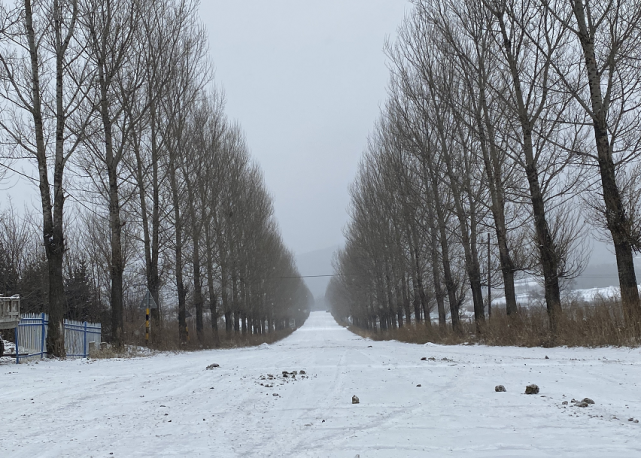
{"type": "Point", "coordinates": [529, 44]}
{"type": "Point", "coordinates": [112, 31]}
{"type": "Point", "coordinates": [602, 76]}
{"type": "Point", "coordinates": [190, 74]}
{"type": "Point", "coordinates": [44, 79]}
{"type": "Point", "coordinates": [463, 28]}
{"type": "Point", "coordinates": [162, 24]}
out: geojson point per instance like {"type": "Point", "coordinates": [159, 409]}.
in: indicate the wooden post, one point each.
{"type": "Point", "coordinates": [147, 326]}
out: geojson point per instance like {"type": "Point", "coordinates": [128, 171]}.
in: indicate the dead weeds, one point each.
{"type": "Point", "coordinates": [582, 324]}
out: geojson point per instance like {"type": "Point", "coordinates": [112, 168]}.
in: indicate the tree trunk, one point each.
{"type": "Point", "coordinates": [436, 278]}
{"type": "Point", "coordinates": [225, 297]}
{"type": "Point", "coordinates": [112, 160]}
{"type": "Point", "coordinates": [493, 171]}
{"type": "Point", "coordinates": [210, 285]}
{"type": "Point", "coordinates": [150, 237]}
{"type": "Point", "coordinates": [52, 227]}
{"type": "Point", "coordinates": [450, 286]}
{"type": "Point", "coordinates": [472, 264]}
{"type": "Point", "coordinates": [406, 299]}
{"type": "Point", "coordinates": [416, 301]}
{"type": "Point", "coordinates": [198, 290]}
{"type": "Point", "coordinates": [616, 218]}
{"type": "Point", "coordinates": [234, 302]}
{"type": "Point", "coordinates": [180, 287]}
{"type": "Point", "coordinates": [117, 264]}
{"type": "Point", "coordinates": [547, 251]}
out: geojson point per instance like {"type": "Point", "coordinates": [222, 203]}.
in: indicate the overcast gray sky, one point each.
{"type": "Point", "coordinates": [305, 78]}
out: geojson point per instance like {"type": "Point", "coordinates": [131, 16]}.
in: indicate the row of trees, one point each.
{"type": "Point", "coordinates": [515, 119]}
{"type": "Point", "coordinates": [111, 101]}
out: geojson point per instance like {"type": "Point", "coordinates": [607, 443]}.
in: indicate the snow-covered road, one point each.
{"type": "Point", "coordinates": [170, 405]}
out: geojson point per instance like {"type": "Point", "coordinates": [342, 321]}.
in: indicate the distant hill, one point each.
{"type": "Point", "coordinates": [317, 262]}
{"type": "Point", "coordinates": [601, 271]}
{"type": "Point", "coordinates": [602, 275]}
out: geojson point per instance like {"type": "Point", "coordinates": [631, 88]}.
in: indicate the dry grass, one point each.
{"type": "Point", "coordinates": [582, 324]}
{"type": "Point", "coordinates": [166, 338]}
{"type": "Point", "coordinates": [109, 352]}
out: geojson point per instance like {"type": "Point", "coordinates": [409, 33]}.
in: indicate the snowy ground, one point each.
{"type": "Point", "coordinates": [170, 405]}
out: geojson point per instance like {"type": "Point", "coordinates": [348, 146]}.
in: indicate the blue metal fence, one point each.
{"type": "Point", "coordinates": [31, 336]}
{"type": "Point", "coordinates": [78, 335]}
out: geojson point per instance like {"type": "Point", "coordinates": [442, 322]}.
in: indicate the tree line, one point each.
{"type": "Point", "coordinates": [112, 104]}
{"type": "Point", "coordinates": [513, 124]}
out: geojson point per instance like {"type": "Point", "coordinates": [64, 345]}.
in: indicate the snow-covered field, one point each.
{"type": "Point", "coordinates": [534, 294]}
{"type": "Point", "coordinates": [171, 405]}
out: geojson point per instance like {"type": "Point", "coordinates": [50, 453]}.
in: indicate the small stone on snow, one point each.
{"type": "Point", "coordinates": [532, 389]}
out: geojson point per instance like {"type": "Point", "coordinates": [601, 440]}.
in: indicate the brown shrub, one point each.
{"type": "Point", "coordinates": [595, 324]}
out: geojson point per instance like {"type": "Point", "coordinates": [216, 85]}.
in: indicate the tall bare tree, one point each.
{"type": "Point", "coordinates": [602, 74]}
{"type": "Point", "coordinates": [115, 50]}
{"type": "Point", "coordinates": [43, 82]}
